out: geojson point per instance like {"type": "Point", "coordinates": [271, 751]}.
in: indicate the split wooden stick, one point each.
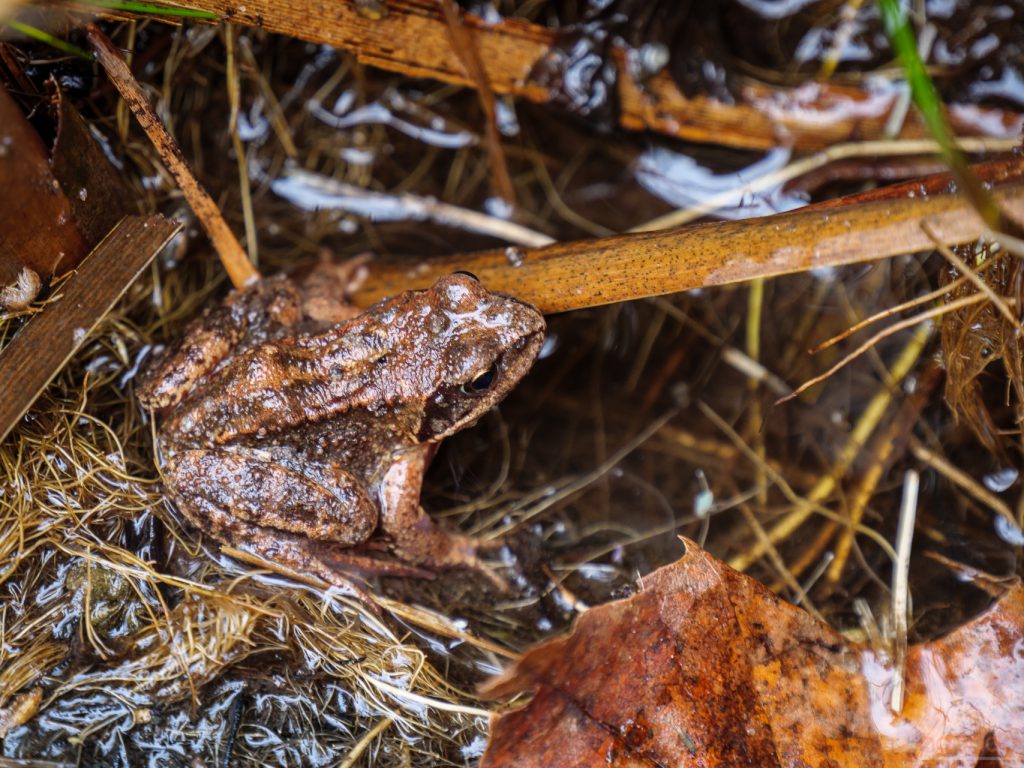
{"type": "Point", "coordinates": [232, 256]}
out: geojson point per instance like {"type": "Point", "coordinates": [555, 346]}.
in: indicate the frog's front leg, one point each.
{"type": "Point", "coordinates": [274, 302]}
{"type": "Point", "coordinates": [248, 501]}
{"type": "Point", "coordinates": [417, 539]}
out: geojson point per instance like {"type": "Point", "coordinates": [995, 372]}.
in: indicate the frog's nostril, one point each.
{"type": "Point", "coordinates": [470, 275]}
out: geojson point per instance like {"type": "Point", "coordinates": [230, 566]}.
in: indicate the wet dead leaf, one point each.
{"type": "Point", "coordinates": [705, 666]}
{"type": "Point", "coordinates": [98, 193]}
{"type": "Point", "coordinates": [38, 234]}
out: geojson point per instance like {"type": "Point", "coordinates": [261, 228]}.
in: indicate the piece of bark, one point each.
{"type": "Point", "coordinates": [48, 340]}
{"type": "Point", "coordinates": [706, 667]}
{"type": "Point", "coordinates": [412, 39]}
{"type": "Point", "coordinates": [98, 193]}
{"type": "Point", "coordinates": [38, 233]}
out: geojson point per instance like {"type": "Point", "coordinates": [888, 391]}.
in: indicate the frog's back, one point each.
{"type": "Point", "coordinates": [286, 384]}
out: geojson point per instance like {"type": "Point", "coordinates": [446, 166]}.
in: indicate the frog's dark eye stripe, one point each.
{"type": "Point", "coordinates": [470, 275]}
{"type": "Point", "coordinates": [482, 382]}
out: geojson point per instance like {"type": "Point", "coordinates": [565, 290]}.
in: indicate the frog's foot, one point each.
{"type": "Point", "coordinates": [274, 547]}
{"type": "Point", "coordinates": [428, 545]}
{"type": "Point", "coordinates": [328, 284]}
{"type": "Point", "coordinates": [413, 536]}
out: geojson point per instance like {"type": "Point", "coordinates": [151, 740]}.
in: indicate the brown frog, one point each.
{"type": "Point", "coordinates": [302, 436]}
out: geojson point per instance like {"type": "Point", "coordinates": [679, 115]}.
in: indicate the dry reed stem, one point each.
{"type": "Point", "coordinates": [240, 270]}
{"type": "Point", "coordinates": [587, 273]}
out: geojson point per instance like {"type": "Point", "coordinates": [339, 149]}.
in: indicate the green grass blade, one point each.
{"type": "Point", "coordinates": [926, 98]}
{"type": "Point", "coordinates": [153, 9]}
{"type": "Point", "coordinates": [45, 37]}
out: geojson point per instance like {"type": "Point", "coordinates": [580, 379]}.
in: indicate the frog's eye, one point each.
{"type": "Point", "coordinates": [482, 382]}
{"type": "Point", "coordinates": [470, 275]}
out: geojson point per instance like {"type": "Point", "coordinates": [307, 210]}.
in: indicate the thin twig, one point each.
{"type": "Point", "coordinates": [889, 312]}
{"type": "Point", "coordinates": [239, 268]}
{"type": "Point", "coordinates": [464, 45]}
{"type": "Point", "coordinates": [300, 186]}
{"type": "Point", "coordinates": [234, 97]}
{"type": "Point", "coordinates": [884, 333]}
{"type": "Point", "coordinates": [965, 269]}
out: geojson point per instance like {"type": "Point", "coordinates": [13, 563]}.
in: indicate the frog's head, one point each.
{"type": "Point", "coordinates": [480, 345]}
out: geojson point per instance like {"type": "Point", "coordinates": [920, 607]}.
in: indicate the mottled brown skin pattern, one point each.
{"type": "Point", "coordinates": [304, 440]}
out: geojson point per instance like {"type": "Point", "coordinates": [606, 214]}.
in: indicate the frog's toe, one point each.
{"type": "Point", "coordinates": [428, 545]}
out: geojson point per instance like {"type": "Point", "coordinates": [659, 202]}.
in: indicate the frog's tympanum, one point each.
{"type": "Point", "coordinates": [302, 436]}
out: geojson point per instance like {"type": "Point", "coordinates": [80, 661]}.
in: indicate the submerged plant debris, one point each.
{"type": "Point", "coordinates": [127, 638]}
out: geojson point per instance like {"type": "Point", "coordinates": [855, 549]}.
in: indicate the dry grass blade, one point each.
{"type": "Point", "coordinates": [888, 312]}
{"type": "Point", "coordinates": [869, 420]}
{"type": "Point", "coordinates": [885, 333]}
{"type": "Point", "coordinates": [234, 96]}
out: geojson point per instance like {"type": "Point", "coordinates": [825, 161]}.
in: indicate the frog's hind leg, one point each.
{"type": "Point", "coordinates": [323, 503]}
{"type": "Point", "coordinates": [275, 547]}
{"type": "Point", "coordinates": [304, 522]}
